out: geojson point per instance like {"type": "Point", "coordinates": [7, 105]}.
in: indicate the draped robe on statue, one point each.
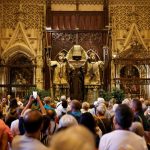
{"type": "Point", "coordinates": [76, 81]}
{"type": "Point", "coordinates": [76, 59]}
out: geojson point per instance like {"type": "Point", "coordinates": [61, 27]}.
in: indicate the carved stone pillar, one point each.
{"type": "Point", "coordinates": [39, 72]}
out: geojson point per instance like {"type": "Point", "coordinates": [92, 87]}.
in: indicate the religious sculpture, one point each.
{"type": "Point", "coordinates": [94, 70]}
{"type": "Point", "coordinates": [94, 76]}
{"type": "Point", "coordinates": [59, 78]}
{"type": "Point", "coordinates": [76, 70]}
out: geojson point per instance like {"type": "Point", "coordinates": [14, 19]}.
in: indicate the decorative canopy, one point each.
{"type": "Point", "coordinates": [135, 51]}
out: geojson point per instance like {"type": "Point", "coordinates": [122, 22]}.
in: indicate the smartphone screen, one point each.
{"type": "Point", "coordinates": [34, 94]}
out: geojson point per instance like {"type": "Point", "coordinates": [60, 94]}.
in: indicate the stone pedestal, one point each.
{"type": "Point", "coordinates": [91, 93]}
{"type": "Point", "coordinates": [60, 90]}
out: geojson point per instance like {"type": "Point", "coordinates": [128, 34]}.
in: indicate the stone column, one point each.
{"type": "Point", "coordinates": [39, 72]}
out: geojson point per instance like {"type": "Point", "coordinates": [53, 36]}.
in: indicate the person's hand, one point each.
{"type": "Point", "coordinates": [38, 98]}
{"type": "Point", "coordinates": [31, 99]}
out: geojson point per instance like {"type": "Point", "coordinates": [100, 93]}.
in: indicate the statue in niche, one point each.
{"type": "Point", "coordinates": [59, 79]}
{"type": "Point", "coordinates": [19, 77]}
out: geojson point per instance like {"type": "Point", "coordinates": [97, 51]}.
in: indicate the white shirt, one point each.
{"type": "Point", "coordinates": [27, 143]}
{"type": "Point", "coordinates": [15, 127]}
{"type": "Point", "coordinates": [122, 140]}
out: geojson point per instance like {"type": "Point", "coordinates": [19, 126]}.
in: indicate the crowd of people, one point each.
{"type": "Point", "coordinates": [44, 124]}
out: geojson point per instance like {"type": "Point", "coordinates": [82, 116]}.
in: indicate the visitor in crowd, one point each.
{"type": "Point", "coordinates": [96, 104]}
{"type": "Point", "coordinates": [103, 122]}
{"type": "Point", "coordinates": [19, 102]}
{"type": "Point", "coordinates": [4, 106]}
{"type": "Point", "coordinates": [75, 109]}
{"type": "Point", "coordinates": [89, 122]}
{"type": "Point", "coordinates": [31, 139]}
{"type": "Point", "coordinates": [5, 136]}
{"type": "Point", "coordinates": [121, 137]}
{"type": "Point", "coordinates": [73, 138]}
{"type": "Point", "coordinates": [136, 107]}
{"type": "Point", "coordinates": [100, 121]}
{"type": "Point", "coordinates": [67, 121]}
{"type": "Point", "coordinates": [15, 124]}
{"type": "Point", "coordinates": [12, 113]}
{"type": "Point", "coordinates": [137, 128]}
{"type": "Point", "coordinates": [85, 107]}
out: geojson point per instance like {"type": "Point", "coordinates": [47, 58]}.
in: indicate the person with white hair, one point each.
{"type": "Point", "coordinates": [100, 100]}
{"type": "Point", "coordinates": [126, 101]}
{"type": "Point", "coordinates": [73, 138]}
{"type": "Point", "coordinates": [62, 107]}
{"type": "Point", "coordinates": [67, 121]}
{"type": "Point", "coordinates": [103, 122]}
{"type": "Point", "coordinates": [62, 98]}
{"type": "Point", "coordinates": [96, 104]}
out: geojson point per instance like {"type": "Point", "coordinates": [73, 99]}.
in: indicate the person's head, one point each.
{"type": "Point", "coordinates": [47, 100]}
{"type": "Point", "coordinates": [112, 102]}
{"type": "Point", "coordinates": [126, 101]}
{"type": "Point", "coordinates": [51, 114]}
{"type": "Point", "coordinates": [62, 98]}
{"type": "Point", "coordinates": [142, 99]}
{"type": "Point", "coordinates": [88, 121]}
{"type": "Point", "coordinates": [17, 98]}
{"type": "Point", "coordinates": [99, 101]}
{"type": "Point", "coordinates": [123, 117]}
{"type": "Point", "coordinates": [13, 103]}
{"type": "Point", "coordinates": [19, 110]}
{"type": "Point", "coordinates": [137, 128]}
{"type": "Point", "coordinates": [73, 138]}
{"type": "Point", "coordinates": [136, 105]}
{"type": "Point", "coordinates": [4, 101]}
{"type": "Point", "coordinates": [64, 104]}
{"type": "Point", "coordinates": [85, 106]}
{"type": "Point", "coordinates": [8, 97]}
{"type": "Point", "coordinates": [75, 105]}
{"type": "Point", "coordinates": [67, 121]}
{"type": "Point", "coordinates": [101, 109]}
{"type": "Point", "coordinates": [32, 121]}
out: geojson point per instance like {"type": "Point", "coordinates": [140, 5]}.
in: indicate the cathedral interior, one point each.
{"type": "Point", "coordinates": [35, 36]}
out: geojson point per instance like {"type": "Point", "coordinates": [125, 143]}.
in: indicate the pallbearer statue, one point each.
{"type": "Point", "coordinates": [94, 76]}
{"type": "Point", "coordinates": [59, 78]}
{"type": "Point", "coordinates": [76, 70]}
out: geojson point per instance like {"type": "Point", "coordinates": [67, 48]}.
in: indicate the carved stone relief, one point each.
{"type": "Point", "coordinates": [130, 21]}
{"type": "Point", "coordinates": [123, 15]}
{"type": "Point", "coordinates": [32, 15]}
{"type": "Point", "coordinates": [27, 37]}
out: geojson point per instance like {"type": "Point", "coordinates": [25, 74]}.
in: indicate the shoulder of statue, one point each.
{"type": "Point", "coordinates": [53, 63]}
{"type": "Point", "coordinates": [101, 63]}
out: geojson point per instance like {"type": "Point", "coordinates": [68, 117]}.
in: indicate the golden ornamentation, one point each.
{"type": "Point", "coordinates": [32, 14]}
